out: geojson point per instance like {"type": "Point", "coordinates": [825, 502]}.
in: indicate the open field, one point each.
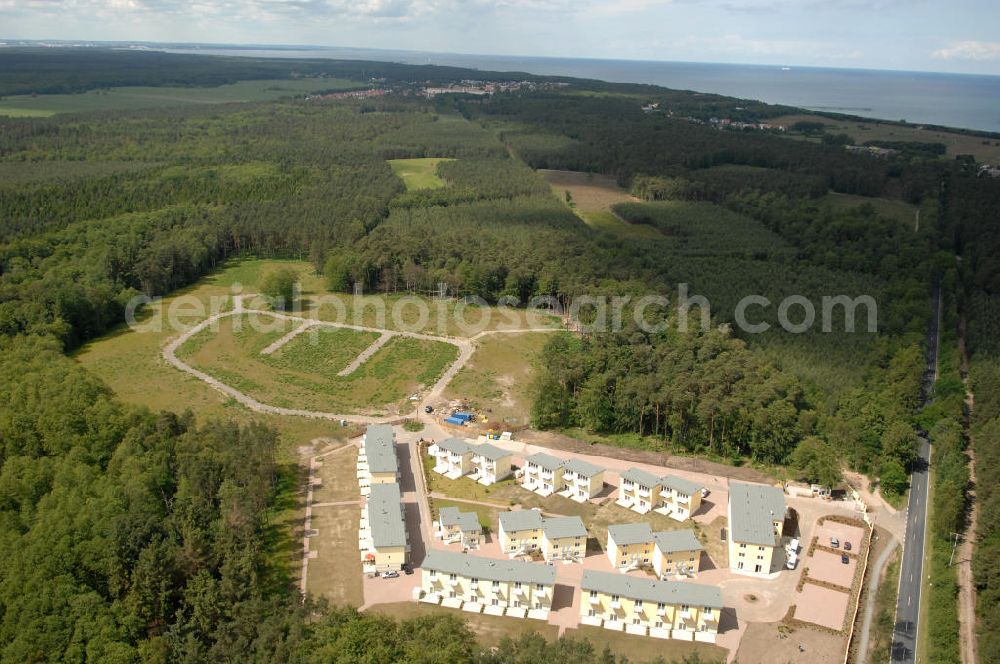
{"type": "Point", "coordinates": [592, 197]}
{"type": "Point", "coordinates": [983, 149]}
{"type": "Point", "coordinates": [130, 362]}
{"type": "Point", "coordinates": [418, 173]}
{"type": "Point", "coordinates": [335, 571]}
{"type": "Point", "coordinates": [337, 474]}
{"type": "Point", "coordinates": [904, 213]}
{"type": "Point", "coordinates": [498, 378]}
{"type": "Point", "coordinates": [130, 98]}
{"type": "Point", "coordinates": [304, 374]}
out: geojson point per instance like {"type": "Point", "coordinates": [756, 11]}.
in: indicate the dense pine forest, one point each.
{"type": "Point", "coordinates": [138, 536]}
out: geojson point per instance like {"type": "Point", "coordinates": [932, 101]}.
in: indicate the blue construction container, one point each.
{"type": "Point", "coordinates": [465, 417]}
{"type": "Point", "coordinates": [455, 420]}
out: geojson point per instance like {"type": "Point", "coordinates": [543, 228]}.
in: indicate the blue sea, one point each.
{"type": "Point", "coordinates": [953, 100]}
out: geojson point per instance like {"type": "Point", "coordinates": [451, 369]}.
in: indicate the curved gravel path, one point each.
{"type": "Point", "coordinates": [466, 347]}
{"type": "Point", "coordinates": [866, 623]}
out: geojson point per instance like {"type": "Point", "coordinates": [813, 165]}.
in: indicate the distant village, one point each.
{"type": "Point", "coordinates": [718, 123]}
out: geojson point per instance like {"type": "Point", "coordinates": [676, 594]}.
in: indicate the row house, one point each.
{"type": "Point", "coordinates": [583, 480]}
{"type": "Point", "coordinates": [382, 537]}
{"type": "Point", "coordinates": [639, 490]}
{"type": "Point", "coordinates": [484, 585]}
{"type": "Point", "coordinates": [490, 464]}
{"type": "Point", "coordinates": [756, 515]}
{"type": "Point", "coordinates": [661, 609]}
{"type": "Point", "coordinates": [377, 461]}
{"type": "Point", "coordinates": [635, 545]}
{"type": "Point", "coordinates": [642, 492]}
{"type": "Point", "coordinates": [453, 458]}
{"type": "Point", "coordinates": [559, 538]}
{"type": "Point", "coordinates": [462, 527]}
{"type": "Point", "coordinates": [543, 474]}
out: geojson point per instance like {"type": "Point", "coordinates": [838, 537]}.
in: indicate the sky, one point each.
{"type": "Point", "coordinates": [924, 35]}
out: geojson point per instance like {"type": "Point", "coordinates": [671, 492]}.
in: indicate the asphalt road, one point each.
{"type": "Point", "coordinates": [904, 638]}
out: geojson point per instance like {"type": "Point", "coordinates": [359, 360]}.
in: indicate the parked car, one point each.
{"type": "Point", "coordinates": [793, 546]}
{"type": "Point", "coordinates": [428, 409]}
{"type": "Point", "coordinates": [847, 546]}
{"type": "Point", "coordinates": [834, 542]}
{"type": "Point", "coordinates": [407, 569]}
{"type": "Point", "coordinates": [391, 574]}
{"type": "Point", "coordinates": [705, 493]}
{"type": "Point", "coordinates": [845, 559]}
{"type": "Point", "coordinates": [792, 559]}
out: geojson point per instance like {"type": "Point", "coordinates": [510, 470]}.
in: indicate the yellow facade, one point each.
{"type": "Point", "coordinates": [518, 540]}
{"type": "Point", "coordinates": [504, 594]}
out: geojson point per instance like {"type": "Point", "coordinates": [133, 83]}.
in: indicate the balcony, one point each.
{"type": "Point", "coordinates": [453, 582]}
{"type": "Point", "coordinates": [546, 474]}
{"type": "Point", "coordinates": [569, 477]}
{"type": "Point", "coordinates": [616, 604]}
{"type": "Point", "coordinates": [643, 492]}
{"type": "Point", "coordinates": [627, 486]}
{"type": "Point", "coordinates": [595, 600]}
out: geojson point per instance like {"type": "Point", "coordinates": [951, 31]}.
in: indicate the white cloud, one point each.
{"type": "Point", "coordinates": [969, 50]}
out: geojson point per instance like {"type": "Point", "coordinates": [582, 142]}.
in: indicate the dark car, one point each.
{"type": "Point", "coordinates": [407, 569]}
{"type": "Point", "coordinates": [845, 559]}
{"type": "Point", "coordinates": [428, 409]}
{"type": "Point", "coordinates": [847, 546]}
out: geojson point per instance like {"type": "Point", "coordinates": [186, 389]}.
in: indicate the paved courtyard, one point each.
{"type": "Point", "coordinates": [828, 567]}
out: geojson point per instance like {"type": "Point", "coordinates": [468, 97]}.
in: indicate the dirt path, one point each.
{"type": "Point", "coordinates": [273, 348]}
{"type": "Point", "coordinates": [366, 354]}
{"type": "Point", "coordinates": [878, 569]}
{"type": "Point", "coordinates": [565, 443]}
{"type": "Point", "coordinates": [963, 563]}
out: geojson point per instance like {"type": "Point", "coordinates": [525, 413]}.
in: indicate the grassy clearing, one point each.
{"type": "Point", "coordinates": [419, 173]}
{"type": "Point", "coordinates": [131, 98]}
{"type": "Point", "coordinates": [303, 374]}
{"type": "Point", "coordinates": [131, 364]}
{"type": "Point", "coordinates": [337, 473]}
{"type": "Point", "coordinates": [983, 149]}
{"type": "Point", "coordinates": [904, 213]}
{"type": "Point", "coordinates": [335, 572]}
{"type": "Point", "coordinates": [497, 380]}
{"type": "Point", "coordinates": [592, 196]}
{"type": "Point", "coordinates": [488, 516]}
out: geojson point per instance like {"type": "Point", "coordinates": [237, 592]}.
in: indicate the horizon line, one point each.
{"type": "Point", "coordinates": [5, 43]}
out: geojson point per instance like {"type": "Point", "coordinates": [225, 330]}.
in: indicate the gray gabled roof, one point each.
{"type": "Point", "coordinates": [630, 533]}
{"type": "Point", "coordinates": [491, 452]}
{"type": "Point", "coordinates": [668, 592]}
{"type": "Point", "coordinates": [455, 446]}
{"type": "Point", "coordinates": [564, 526]}
{"type": "Point", "coordinates": [682, 485]}
{"type": "Point", "coordinates": [520, 520]}
{"type": "Point", "coordinates": [641, 477]}
{"type": "Point", "coordinates": [546, 461]}
{"type": "Point", "coordinates": [753, 509]}
{"type": "Point", "coordinates": [583, 468]}
{"type": "Point", "coordinates": [385, 516]}
{"type": "Point", "coordinates": [488, 569]}
{"type": "Point", "coordinates": [467, 522]}
{"type": "Point", "coordinates": [670, 541]}
{"type": "Point", "coordinates": [380, 447]}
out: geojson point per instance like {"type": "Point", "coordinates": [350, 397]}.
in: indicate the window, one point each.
{"type": "Point", "coordinates": [615, 598]}
{"type": "Point", "coordinates": [660, 606]}
{"type": "Point", "coordinates": [757, 568]}
{"type": "Point", "coordinates": [475, 581]}
{"type": "Point", "coordinates": [593, 593]}
{"type": "Point", "coordinates": [538, 605]}
{"type": "Point", "coordinates": [517, 604]}
{"type": "Point", "coordinates": [638, 604]}
{"type": "Point", "coordinates": [496, 584]}
{"type": "Point", "coordinates": [495, 602]}
{"type": "Point", "coordinates": [540, 587]}
{"type": "Point", "coordinates": [517, 584]}
{"type": "Point", "coordinates": [453, 576]}
{"type": "Point", "coordinates": [636, 621]}
{"type": "Point", "coordinates": [433, 574]}
{"type": "Point", "coordinates": [740, 565]}
{"type": "Point", "coordinates": [658, 624]}
{"type": "Point", "coordinates": [452, 594]}
{"type": "Point", "coordinates": [592, 613]}
{"type": "Point", "coordinates": [743, 546]}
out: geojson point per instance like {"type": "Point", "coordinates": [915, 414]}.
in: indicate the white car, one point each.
{"type": "Point", "coordinates": [793, 558]}
{"type": "Point", "coordinates": [793, 546]}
